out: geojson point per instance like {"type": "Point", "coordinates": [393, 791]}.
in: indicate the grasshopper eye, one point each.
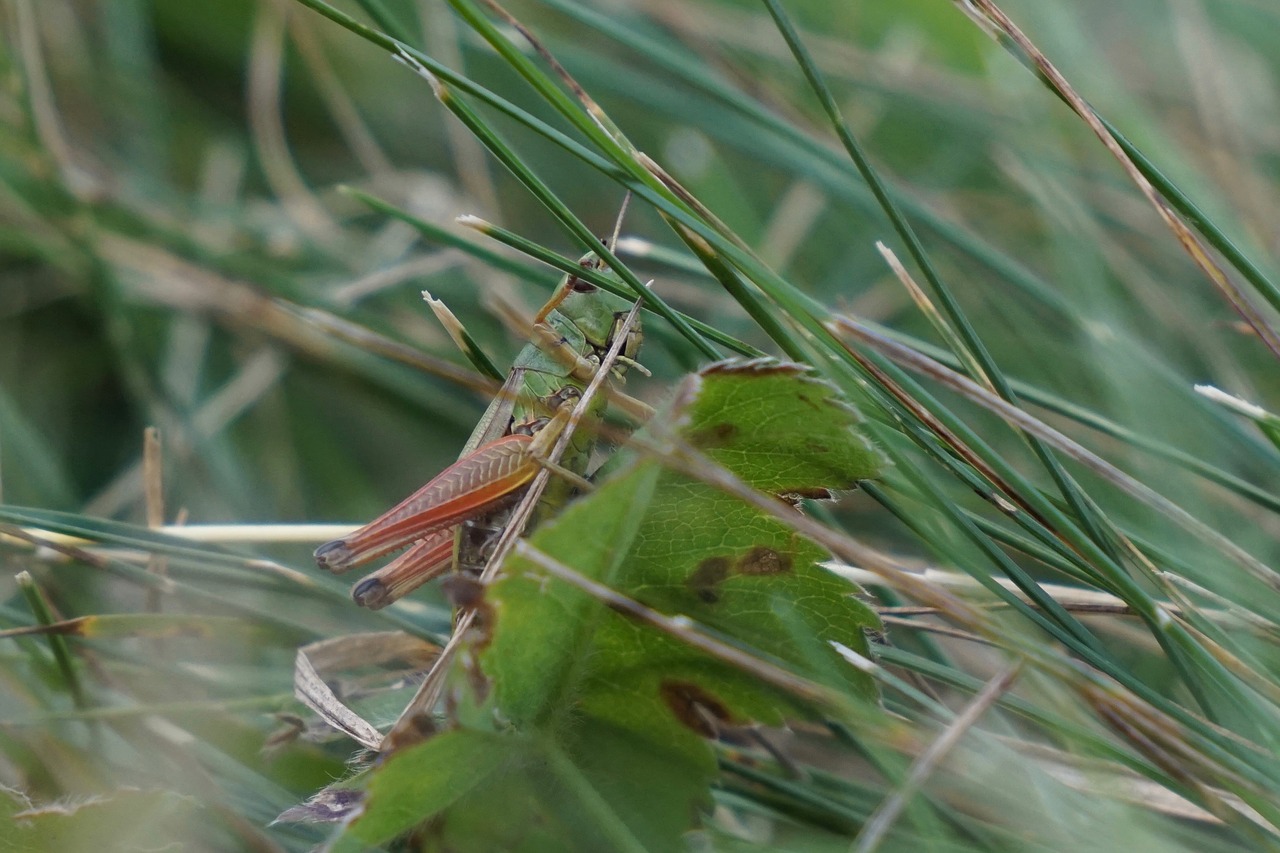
{"type": "Point", "coordinates": [578, 285]}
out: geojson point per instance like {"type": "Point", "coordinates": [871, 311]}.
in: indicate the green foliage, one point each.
{"type": "Point", "coordinates": [216, 219]}
{"type": "Point", "coordinates": [122, 820]}
{"type": "Point", "coordinates": [605, 720]}
{"type": "Point", "coordinates": [426, 779]}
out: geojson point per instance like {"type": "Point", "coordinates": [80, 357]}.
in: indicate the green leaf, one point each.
{"type": "Point", "coordinates": [605, 722]}
{"type": "Point", "coordinates": [559, 659]}
{"type": "Point", "coordinates": [776, 426]}
{"type": "Point", "coordinates": [419, 782]}
{"type": "Point", "coordinates": [653, 789]}
{"type": "Point", "coordinates": [680, 546]}
{"type": "Point", "coordinates": [598, 788]}
{"type": "Point", "coordinates": [544, 630]}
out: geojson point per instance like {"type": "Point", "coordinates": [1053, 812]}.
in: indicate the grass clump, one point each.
{"type": "Point", "coordinates": [1031, 250]}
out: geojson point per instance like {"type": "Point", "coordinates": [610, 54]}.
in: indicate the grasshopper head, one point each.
{"type": "Point", "coordinates": [598, 313]}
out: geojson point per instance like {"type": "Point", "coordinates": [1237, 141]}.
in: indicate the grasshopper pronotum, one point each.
{"type": "Point", "coordinates": [450, 521]}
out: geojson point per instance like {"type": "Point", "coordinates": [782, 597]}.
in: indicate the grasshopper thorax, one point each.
{"type": "Point", "coordinates": [597, 313]}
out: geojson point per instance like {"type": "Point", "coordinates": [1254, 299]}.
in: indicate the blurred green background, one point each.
{"type": "Point", "coordinates": [175, 252]}
{"type": "Point", "coordinates": [219, 133]}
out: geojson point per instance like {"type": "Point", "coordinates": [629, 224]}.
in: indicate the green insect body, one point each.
{"type": "Point", "coordinates": [545, 375]}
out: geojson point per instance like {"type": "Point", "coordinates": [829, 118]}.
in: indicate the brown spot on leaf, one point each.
{"type": "Point", "coordinates": [707, 577]}
{"type": "Point", "coordinates": [818, 494]}
{"type": "Point", "coordinates": [694, 707]}
{"type": "Point", "coordinates": [716, 435]}
{"type": "Point", "coordinates": [417, 729]}
{"type": "Point", "coordinates": [764, 561]}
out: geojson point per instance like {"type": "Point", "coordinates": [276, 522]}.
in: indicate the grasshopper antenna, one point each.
{"type": "Point", "coordinates": [612, 245]}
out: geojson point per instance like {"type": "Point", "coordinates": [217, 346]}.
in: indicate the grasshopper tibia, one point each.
{"type": "Point", "coordinates": [428, 559]}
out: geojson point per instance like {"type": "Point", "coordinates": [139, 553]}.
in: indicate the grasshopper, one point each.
{"type": "Point", "coordinates": [451, 520]}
